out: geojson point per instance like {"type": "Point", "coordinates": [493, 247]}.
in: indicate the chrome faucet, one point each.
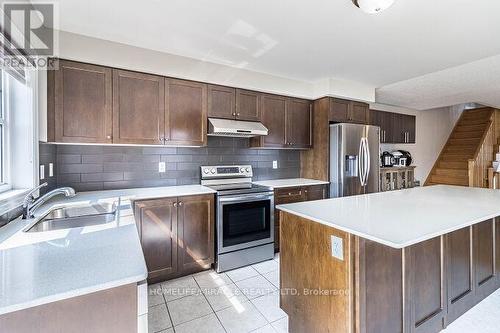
{"type": "Point", "coordinates": [30, 204]}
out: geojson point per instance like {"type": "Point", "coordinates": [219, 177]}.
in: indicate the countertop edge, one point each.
{"type": "Point", "coordinates": [72, 294]}
{"type": "Point", "coordinates": [305, 182]}
{"type": "Point", "coordinates": [384, 241]}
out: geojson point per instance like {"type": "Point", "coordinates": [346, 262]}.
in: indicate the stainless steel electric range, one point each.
{"type": "Point", "coordinates": [244, 216]}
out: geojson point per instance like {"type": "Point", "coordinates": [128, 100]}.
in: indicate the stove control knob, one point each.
{"type": "Point", "coordinates": [242, 170]}
{"type": "Point", "coordinates": [212, 171]}
{"type": "Point", "coordinates": [206, 171]}
{"type": "Point", "coordinates": [247, 169]}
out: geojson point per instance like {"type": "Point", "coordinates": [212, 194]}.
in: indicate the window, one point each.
{"type": "Point", "coordinates": [3, 135]}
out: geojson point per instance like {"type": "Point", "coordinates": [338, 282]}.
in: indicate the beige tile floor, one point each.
{"type": "Point", "coordinates": [246, 300]}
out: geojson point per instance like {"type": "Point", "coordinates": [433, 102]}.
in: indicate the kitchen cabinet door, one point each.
{"type": "Point", "coordinates": [484, 249]}
{"type": "Point", "coordinates": [399, 133]}
{"type": "Point", "coordinates": [186, 113]}
{"type": "Point", "coordinates": [247, 105]}
{"type": "Point", "coordinates": [158, 232]}
{"type": "Point", "coordinates": [298, 123]}
{"type": "Point", "coordinates": [196, 233]}
{"type": "Point", "coordinates": [79, 103]}
{"type": "Point", "coordinates": [459, 266]}
{"type": "Point", "coordinates": [138, 108]}
{"type": "Point", "coordinates": [221, 102]}
{"type": "Point", "coordinates": [284, 196]}
{"type": "Point", "coordinates": [384, 121]}
{"type": "Point", "coordinates": [409, 128]}
{"type": "Point", "coordinates": [339, 110]}
{"type": "Point", "coordinates": [359, 113]}
{"type": "Point", "coordinates": [315, 192]}
{"type": "Point", "coordinates": [273, 117]}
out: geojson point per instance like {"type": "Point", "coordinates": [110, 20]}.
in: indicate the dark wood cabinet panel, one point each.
{"type": "Point", "coordinates": [221, 102]}
{"type": "Point", "coordinates": [158, 229]}
{"type": "Point", "coordinates": [273, 117]}
{"type": "Point", "coordinates": [384, 121]}
{"type": "Point", "coordinates": [80, 103]}
{"type": "Point", "coordinates": [459, 261]}
{"type": "Point", "coordinates": [484, 248]}
{"type": "Point", "coordinates": [409, 128]}
{"type": "Point", "coordinates": [315, 192]}
{"type": "Point", "coordinates": [138, 108]}
{"type": "Point", "coordinates": [177, 235]}
{"type": "Point", "coordinates": [426, 286]}
{"type": "Point", "coordinates": [359, 113]}
{"type": "Point", "coordinates": [298, 123]}
{"type": "Point", "coordinates": [186, 112]}
{"type": "Point", "coordinates": [196, 229]}
{"type": "Point", "coordinates": [346, 111]}
{"type": "Point", "coordinates": [497, 243]}
{"type": "Point", "coordinates": [247, 105]}
{"type": "Point", "coordinates": [339, 110]}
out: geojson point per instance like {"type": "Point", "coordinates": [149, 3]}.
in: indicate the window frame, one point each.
{"type": "Point", "coordinates": [5, 184]}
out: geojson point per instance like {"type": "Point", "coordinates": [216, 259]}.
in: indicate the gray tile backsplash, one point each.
{"type": "Point", "coordinates": [88, 168]}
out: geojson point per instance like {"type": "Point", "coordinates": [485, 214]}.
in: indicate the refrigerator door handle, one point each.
{"type": "Point", "coordinates": [367, 160]}
{"type": "Point", "coordinates": [361, 162]}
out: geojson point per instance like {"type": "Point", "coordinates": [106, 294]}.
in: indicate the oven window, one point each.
{"type": "Point", "coordinates": [246, 222]}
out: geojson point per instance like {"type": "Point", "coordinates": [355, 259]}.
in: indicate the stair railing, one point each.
{"type": "Point", "coordinates": [483, 157]}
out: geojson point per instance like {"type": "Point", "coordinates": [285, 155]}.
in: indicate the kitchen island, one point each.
{"type": "Point", "coordinates": [404, 261]}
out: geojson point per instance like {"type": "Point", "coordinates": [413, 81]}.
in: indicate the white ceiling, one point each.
{"type": "Point", "coordinates": [306, 40]}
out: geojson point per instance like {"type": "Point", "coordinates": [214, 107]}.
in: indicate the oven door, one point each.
{"type": "Point", "coordinates": [244, 221]}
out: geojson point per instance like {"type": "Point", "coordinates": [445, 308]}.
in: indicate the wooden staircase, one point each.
{"type": "Point", "coordinates": [453, 166]}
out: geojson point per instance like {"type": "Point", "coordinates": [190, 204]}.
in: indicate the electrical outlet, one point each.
{"type": "Point", "coordinates": [51, 169]}
{"type": "Point", "coordinates": [161, 167]}
{"type": "Point", "coordinates": [42, 172]}
{"type": "Point", "coordinates": [337, 247]}
{"type": "Point", "coordinates": [275, 164]}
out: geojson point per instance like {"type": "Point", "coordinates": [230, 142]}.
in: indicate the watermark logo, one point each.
{"type": "Point", "coordinates": [29, 34]}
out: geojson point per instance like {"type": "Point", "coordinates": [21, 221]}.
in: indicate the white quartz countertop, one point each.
{"type": "Point", "coordinates": [290, 182]}
{"type": "Point", "coordinates": [42, 267]}
{"type": "Point", "coordinates": [402, 218]}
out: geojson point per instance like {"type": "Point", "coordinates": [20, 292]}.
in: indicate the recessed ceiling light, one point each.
{"type": "Point", "coordinates": [373, 6]}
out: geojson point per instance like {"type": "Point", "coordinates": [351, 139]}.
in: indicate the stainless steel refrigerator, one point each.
{"type": "Point", "coordinates": [354, 159]}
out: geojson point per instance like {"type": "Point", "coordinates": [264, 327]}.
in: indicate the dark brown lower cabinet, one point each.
{"type": "Point", "coordinates": [177, 235]}
{"type": "Point", "coordinates": [291, 195]}
{"type": "Point", "coordinates": [485, 280]}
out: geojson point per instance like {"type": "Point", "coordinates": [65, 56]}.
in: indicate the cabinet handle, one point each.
{"type": "Point", "coordinates": [237, 115]}
{"type": "Point", "coordinates": [175, 204]}
{"type": "Point", "coordinates": [108, 137]}
{"type": "Point", "coordinates": [180, 203]}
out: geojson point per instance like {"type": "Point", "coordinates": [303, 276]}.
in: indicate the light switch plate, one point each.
{"type": "Point", "coordinates": [42, 172]}
{"type": "Point", "coordinates": [275, 164]}
{"type": "Point", "coordinates": [161, 167]}
{"type": "Point", "coordinates": [51, 169]}
{"type": "Point", "coordinates": [337, 247]}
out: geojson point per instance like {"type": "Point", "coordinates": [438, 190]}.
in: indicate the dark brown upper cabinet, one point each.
{"type": "Point", "coordinates": [138, 108]}
{"type": "Point", "coordinates": [186, 113]}
{"type": "Point", "coordinates": [298, 132]}
{"type": "Point", "coordinates": [221, 102]}
{"type": "Point", "coordinates": [345, 111]}
{"type": "Point", "coordinates": [288, 121]}
{"type": "Point", "coordinates": [231, 103]}
{"type": "Point", "coordinates": [247, 105]}
{"type": "Point", "coordinates": [384, 121]}
{"type": "Point", "coordinates": [394, 127]}
{"type": "Point", "coordinates": [79, 103]}
{"type": "Point", "coordinates": [273, 117]}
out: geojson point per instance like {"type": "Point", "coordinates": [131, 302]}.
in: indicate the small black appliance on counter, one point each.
{"type": "Point", "coordinates": [387, 159]}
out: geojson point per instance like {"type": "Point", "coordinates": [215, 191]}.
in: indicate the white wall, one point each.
{"type": "Point", "coordinates": [88, 49]}
{"type": "Point", "coordinates": [433, 129]}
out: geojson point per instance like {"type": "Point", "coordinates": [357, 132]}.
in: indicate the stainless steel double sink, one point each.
{"type": "Point", "coordinates": [75, 216]}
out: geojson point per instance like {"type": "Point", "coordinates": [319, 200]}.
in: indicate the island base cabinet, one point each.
{"type": "Point", "coordinates": [419, 289]}
{"type": "Point", "coordinates": [110, 310]}
{"type": "Point", "coordinates": [177, 235]}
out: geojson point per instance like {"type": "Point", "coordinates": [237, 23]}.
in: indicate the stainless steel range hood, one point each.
{"type": "Point", "coordinates": [235, 128]}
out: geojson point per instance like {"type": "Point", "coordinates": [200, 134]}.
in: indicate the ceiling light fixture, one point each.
{"type": "Point", "coordinates": [373, 6]}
